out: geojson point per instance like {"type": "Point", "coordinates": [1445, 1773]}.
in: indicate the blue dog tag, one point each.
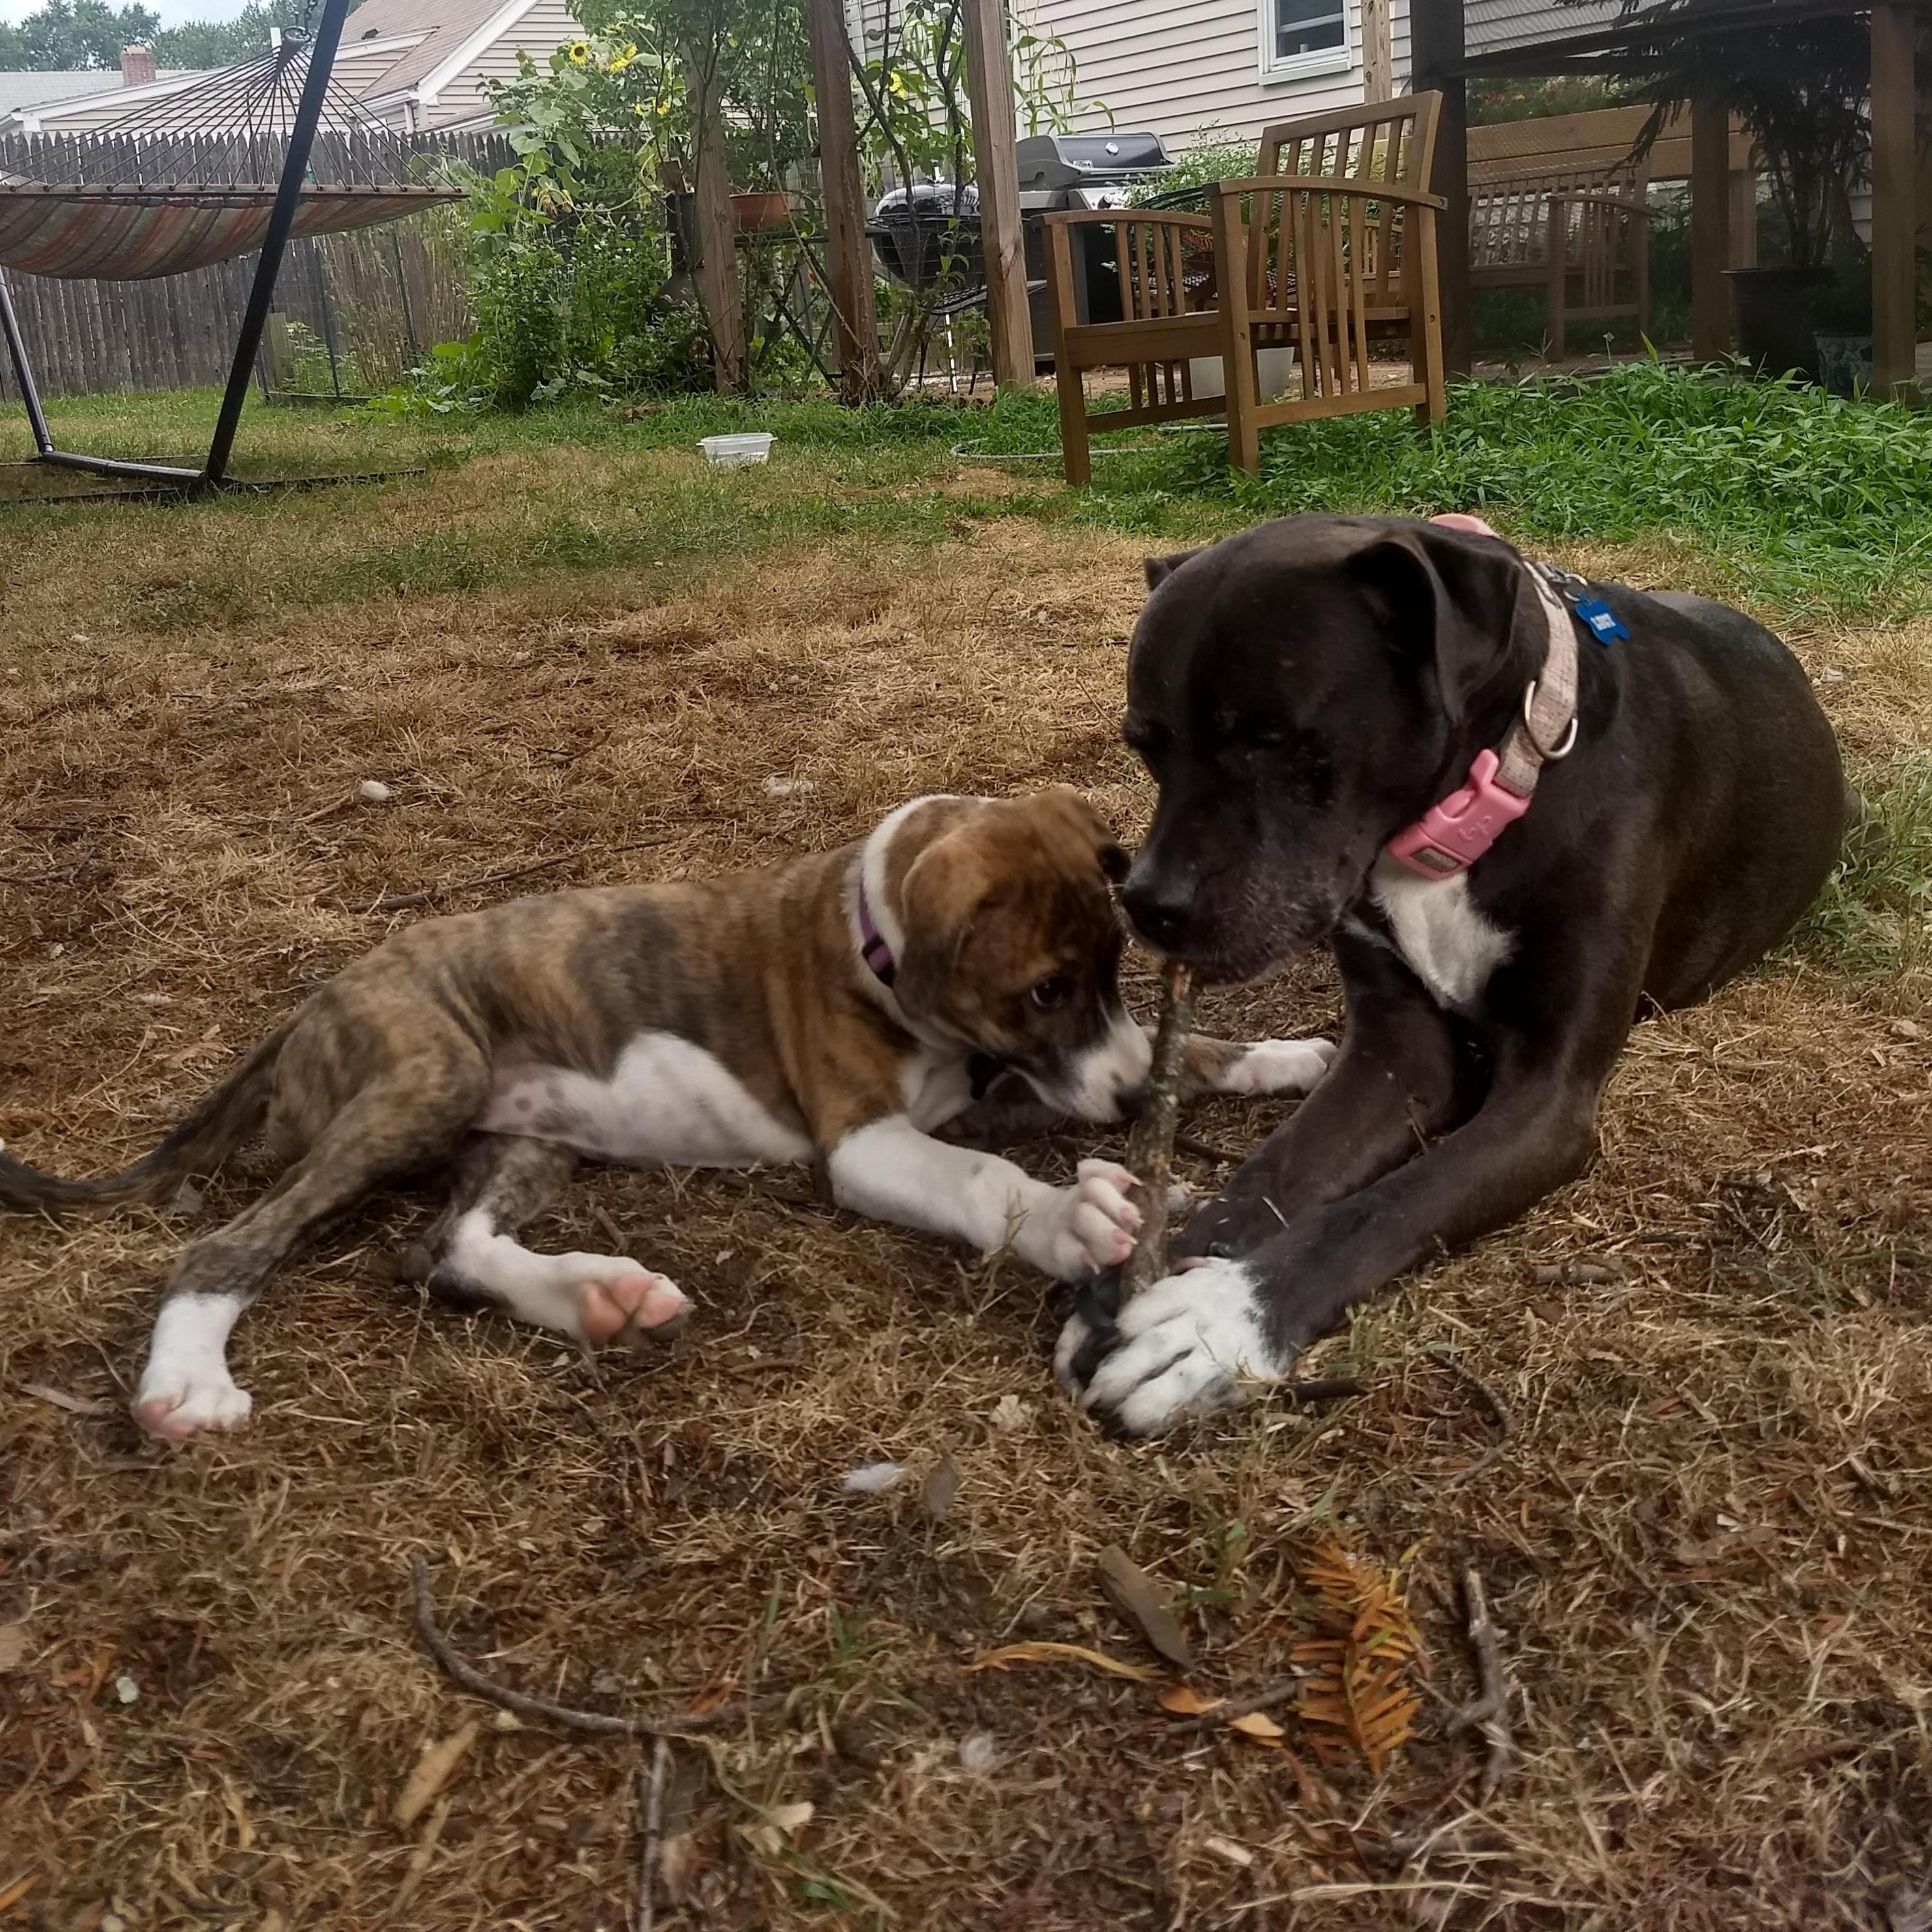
{"type": "Point", "coordinates": [1603, 622]}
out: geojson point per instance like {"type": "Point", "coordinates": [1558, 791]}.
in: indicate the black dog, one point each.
{"type": "Point", "coordinates": [1304, 694]}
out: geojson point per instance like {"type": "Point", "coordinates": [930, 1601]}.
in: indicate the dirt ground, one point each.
{"type": "Point", "coordinates": [1708, 1542]}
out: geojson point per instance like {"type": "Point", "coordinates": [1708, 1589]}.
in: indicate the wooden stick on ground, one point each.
{"type": "Point", "coordinates": [593, 1723]}
{"type": "Point", "coordinates": [1283, 1691]}
{"type": "Point", "coordinates": [1488, 1712]}
{"type": "Point", "coordinates": [1151, 1145]}
{"type": "Point", "coordinates": [1499, 1408]}
{"type": "Point", "coordinates": [653, 1793]}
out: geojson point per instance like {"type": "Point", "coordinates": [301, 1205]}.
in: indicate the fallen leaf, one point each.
{"type": "Point", "coordinates": [937, 1492]}
{"type": "Point", "coordinates": [1184, 1701]}
{"type": "Point", "coordinates": [1226, 1848]}
{"type": "Point", "coordinates": [13, 1646]}
{"type": "Point", "coordinates": [869, 1478]}
{"type": "Point", "coordinates": [12, 1894]}
{"type": "Point", "coordinates": [425, 1849]}
{"type": "Point", "coordinates": [1140, 1599]}
{"type": "Point", "coordinates": [432, 1773]}
{"type": "Point", "coordinates": [1259, 1725]}
{"type": "Point", "coordinates": [1042, 1651]}
{"type": "Point", "coordinates": [677, 1865]}
{"type": "Point", "coordinates": [74, 1405]}
{"type": "Point", "coordinates": [1009, 1414]}
{"type": "Point", "coordinates": [789, 1818]}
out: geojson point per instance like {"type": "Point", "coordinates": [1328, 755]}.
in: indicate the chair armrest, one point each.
{"type": "Point", "coordinates": [1089, 217]}
{"type": "Point", "coordinates": [1409, 197]}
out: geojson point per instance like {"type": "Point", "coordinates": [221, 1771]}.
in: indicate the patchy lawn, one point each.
{"type": "Point", "coordinates": [1708, 1543]}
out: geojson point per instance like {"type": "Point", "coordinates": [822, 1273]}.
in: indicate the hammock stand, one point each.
{"type": "Point", "coordinates": [194, 189]}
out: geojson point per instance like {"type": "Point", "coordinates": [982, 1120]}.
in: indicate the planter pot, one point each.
{"type": "Point", "coordinates": [752, 213]}
{"type": "Point", "coordinates": [1274, 370]}
{"type": "Point", "coordinates": [1844, 363]}
{"type": "Point", "coordinates": [1772, 310]}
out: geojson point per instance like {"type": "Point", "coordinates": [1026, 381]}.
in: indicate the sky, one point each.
{"type": "Point", "coordinates": [172, 12]}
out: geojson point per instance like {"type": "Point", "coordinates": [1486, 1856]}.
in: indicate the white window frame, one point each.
{"type": "Point", "coordinates": [1322, 60]}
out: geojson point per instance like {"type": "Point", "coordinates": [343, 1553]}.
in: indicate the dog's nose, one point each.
{"type": "Point", "coordinates": [1158, 909]}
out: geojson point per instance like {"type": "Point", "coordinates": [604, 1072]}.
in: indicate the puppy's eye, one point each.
{"type": "Point", "coordinates": [1052, 993]}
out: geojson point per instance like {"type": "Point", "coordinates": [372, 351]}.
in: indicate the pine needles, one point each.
{"type": "Point", "coordinates": [1360, 1699]}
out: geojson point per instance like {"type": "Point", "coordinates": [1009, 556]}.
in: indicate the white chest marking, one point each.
{"type": "Point", "coordinates": [1449, 946]}
{"type": "Point", "coordinates": [666, 1102]}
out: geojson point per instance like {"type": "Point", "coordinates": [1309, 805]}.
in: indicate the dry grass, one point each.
{"type": "Point", "coordinates": [1709, 1547]}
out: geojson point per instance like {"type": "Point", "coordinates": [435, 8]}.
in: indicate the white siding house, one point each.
{"type": "Point", "coordinates": [420, 65]}
{"type": "Point", "coordinates": [1187, 68]}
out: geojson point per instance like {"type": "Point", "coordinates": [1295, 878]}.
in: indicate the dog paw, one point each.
{"type": "Point", "coordinates": [1183, 1348]}
{"type": "Point", "coordinates": [1087, 1227]}
{"type": "Point", "coordinates": [622, 1298]}
{"type": "Point", "coordinates": [179, 1403]}
{"type": "Point", "coordinates": [1279, 1066]}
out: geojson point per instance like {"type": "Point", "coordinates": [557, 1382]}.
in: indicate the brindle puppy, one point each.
{"type": "Point", "coordinates": [837, 1009]}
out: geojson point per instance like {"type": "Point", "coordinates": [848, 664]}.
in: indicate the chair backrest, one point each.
{"type": "Point", "coordinates": [1388, 141]}
{"type": "Point", "coordinates": [1510, 215]}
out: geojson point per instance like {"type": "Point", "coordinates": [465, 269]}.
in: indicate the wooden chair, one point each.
{"type": "Point", "coordinates": [1332, 244]}
{"type": "Point", "coordinates": [1583, 236]}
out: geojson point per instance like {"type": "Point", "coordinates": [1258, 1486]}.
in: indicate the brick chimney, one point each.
{"type": "Point", "coordinates": [137, 66]}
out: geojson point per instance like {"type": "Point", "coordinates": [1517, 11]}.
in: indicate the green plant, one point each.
{"type": "Point", "coordinates": [1799, 87]}
{"type": "Point", "coordinates": [1211, 155]}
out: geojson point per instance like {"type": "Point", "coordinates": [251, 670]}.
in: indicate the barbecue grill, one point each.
{"type": "Point", "coordinates": [1059, 171]}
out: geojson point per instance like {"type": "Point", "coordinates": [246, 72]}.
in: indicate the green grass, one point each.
{"type": "Point", "coordinates": [1873, 919]}
{"type": "Point", "coordinates": [1790, 498]}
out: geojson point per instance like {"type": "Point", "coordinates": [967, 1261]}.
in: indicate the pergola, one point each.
{"type": "Point", "coordinates": [1455, 41]}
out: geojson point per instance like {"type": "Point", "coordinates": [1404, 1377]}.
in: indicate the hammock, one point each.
{"type": "Point", "coordinates": [234, 162]}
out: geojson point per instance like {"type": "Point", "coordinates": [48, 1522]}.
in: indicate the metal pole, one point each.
{"type": "Point", "coordinates": [281, 220]}
{"type": "Point", "coordinates": [23, 373]}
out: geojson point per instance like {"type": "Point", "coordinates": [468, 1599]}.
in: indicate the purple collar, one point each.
{"type": "Point", "coordinates": [872, 946]}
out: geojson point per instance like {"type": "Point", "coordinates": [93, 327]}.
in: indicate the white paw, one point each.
{"type": "Point", "coordinates": [615, 1296]}
{"type": "Point", "coordinates": [1279, 1066]}
{"type": "Point", "coordinates": [1085, 1228]}
{"type": "Point", "coordinates": [178, 1402]}
{"type": "Point", "coordinates": [1184, 1348]}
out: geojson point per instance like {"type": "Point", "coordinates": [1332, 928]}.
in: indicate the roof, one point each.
{"type": "Point", "coordinates": [63, 83]}
{"type": "Point", "coordinates": [438, 28]}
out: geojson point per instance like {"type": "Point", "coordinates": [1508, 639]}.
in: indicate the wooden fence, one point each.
{"type": "Point", "coordinates": [352, 312]}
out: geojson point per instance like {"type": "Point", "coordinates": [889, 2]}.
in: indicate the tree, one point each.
{"type": "Point", "coordinates": [75, 34]}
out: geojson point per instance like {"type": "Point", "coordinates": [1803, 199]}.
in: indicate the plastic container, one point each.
{"type": "Point", "coordinates": [730, 452]}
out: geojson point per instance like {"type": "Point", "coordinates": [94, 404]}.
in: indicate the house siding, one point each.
{"type": "Point", "coordinates": [544, 29]}
{"type": "Point", "coordinates": [1193, 68]}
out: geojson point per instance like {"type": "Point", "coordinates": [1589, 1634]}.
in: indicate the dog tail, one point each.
{"type": "Point", "coordinates": [224, 1120]}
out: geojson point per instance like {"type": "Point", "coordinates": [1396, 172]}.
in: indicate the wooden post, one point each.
{"type": "Point", "coordinates": [1894, 226]}
{"type": "Point", "coordinates": [848, 253]}
{"type": "Point", "coordinates": [1237, 348]}
{"type": "Point", "coordinates": [1435, 55]}
{"type": "Point", "coordinates": [989, 87]}
{"type": "Point", "coordinates": [1378, 54]}
{"type": "Point", "coordinates": [715, 267]}
{"type": "Point", "coordinates": [1710, 230]}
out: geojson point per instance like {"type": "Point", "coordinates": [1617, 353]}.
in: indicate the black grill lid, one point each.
{"type": "Point", "coordinates": [1070, 161]}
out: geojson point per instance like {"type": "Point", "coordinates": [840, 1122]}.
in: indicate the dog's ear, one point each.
{"type": "Point", "coordinates": [1460, 602]}
{"type": "Point", "coordinates": [1063, 805]}
{"type": "Point", "coordinates": [1158, 569]}
{"type": "Point", "coordinates": [943, 888]}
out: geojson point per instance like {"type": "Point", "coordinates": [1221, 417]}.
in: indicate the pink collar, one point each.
{"type": "Point", "coordinates": [872, 946]}
{"type": "Point", "coordinates": [1450, 837]}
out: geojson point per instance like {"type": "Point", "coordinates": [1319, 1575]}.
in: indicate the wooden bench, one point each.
{"type": "Point", "coordinates": [1333, 243]}
{"type": "Point", "coordinates": [1583, 236]}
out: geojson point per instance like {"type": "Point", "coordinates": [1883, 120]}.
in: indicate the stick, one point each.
{"type": "Point", "coordinates": [594, 1723]}
{"type": "Point", "coordinates": [406, 901]}
{"type": "Point", "coordinates": [1151, 1145]}
{"type": "Point", "coordinates": [1489, 1712]}
{"type": "Point", "coordinates": [653, 1796]}
{"type": "Point", "coordinates": [1283, 1691]}
{"type": "Point", "coordinates": [1497, 1408]}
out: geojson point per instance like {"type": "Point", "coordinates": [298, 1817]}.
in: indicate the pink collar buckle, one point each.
{"type": "Point", "coordinates": [1451, 837]}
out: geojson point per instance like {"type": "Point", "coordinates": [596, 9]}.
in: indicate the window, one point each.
{"type": "Point", "coordinates": [1303, 37]}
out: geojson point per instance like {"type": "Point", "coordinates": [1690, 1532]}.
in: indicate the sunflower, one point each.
{"type": "Point", "coordinates": [580, 52]}
{"type": "Point", "coordinates": [897, 87]}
